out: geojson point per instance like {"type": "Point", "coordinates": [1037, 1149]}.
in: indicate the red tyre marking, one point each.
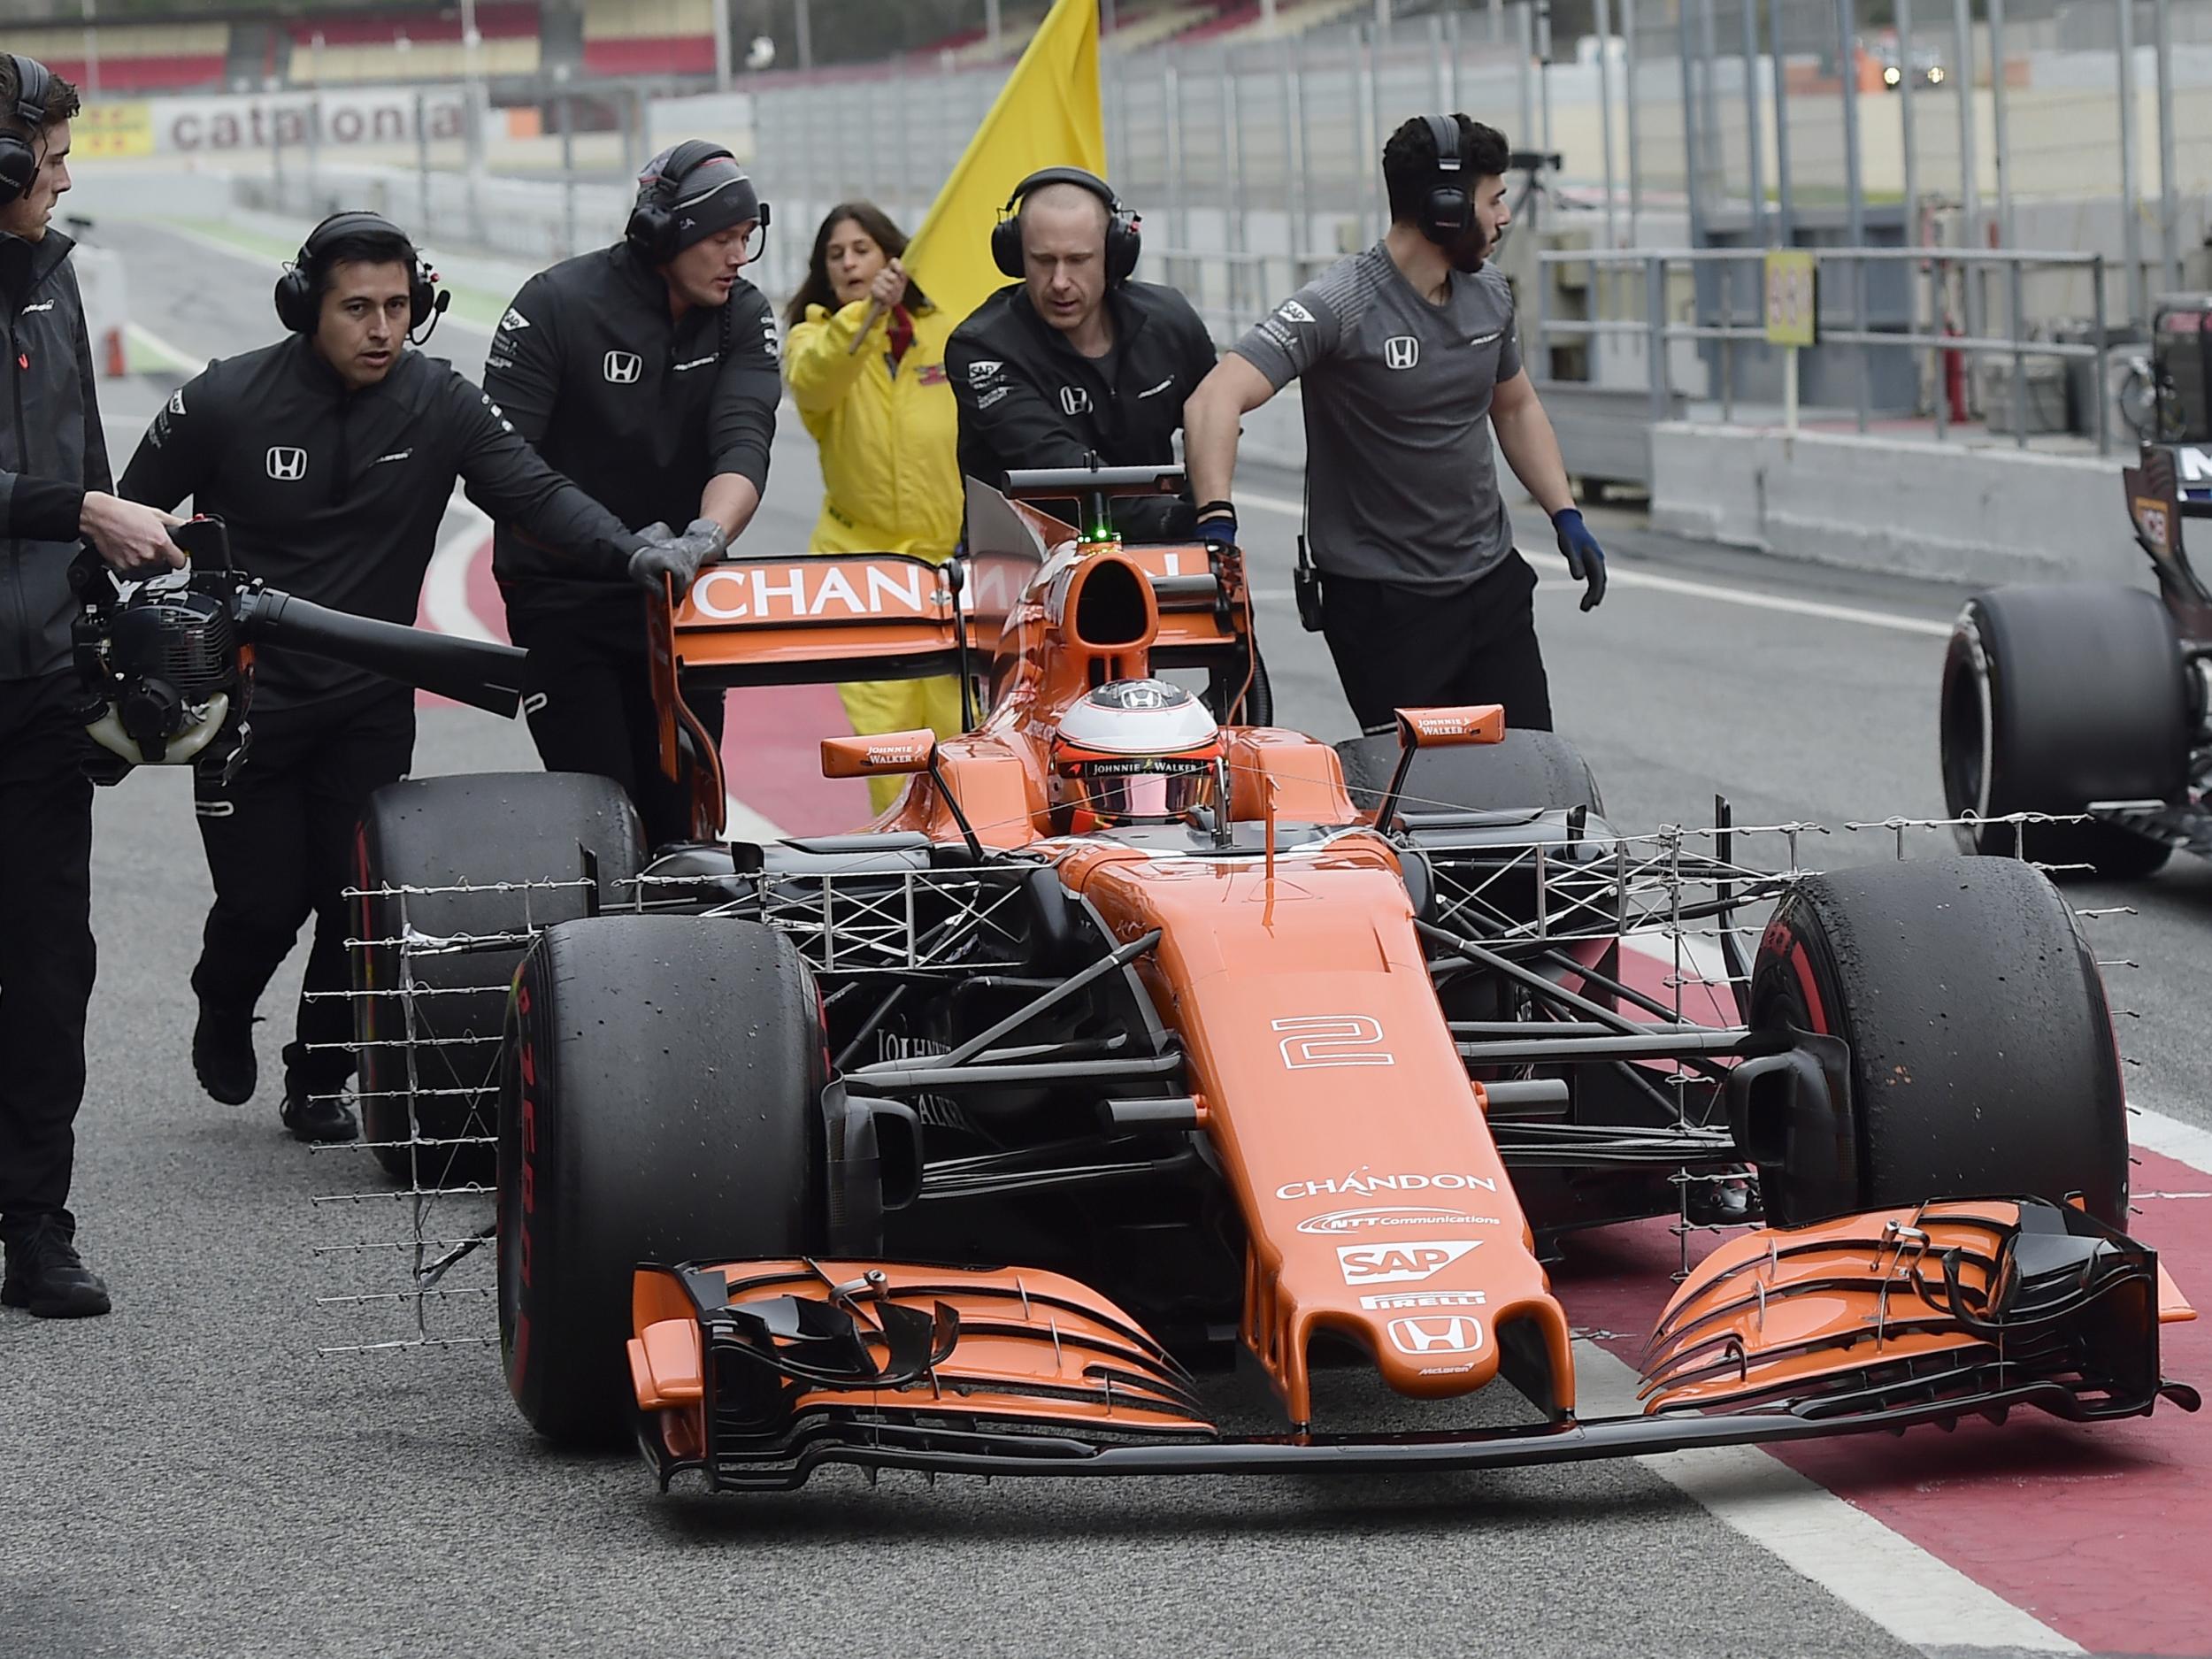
{"type": "Point", "coordinates": [1801, 965]}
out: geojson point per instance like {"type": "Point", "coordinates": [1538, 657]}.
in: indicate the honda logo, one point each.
{"type": "Point", "coordinates": [1448, 1333]}
{"type": "Point", "coordinates": [1075, 400]}
{"type": "Point", "coordinates": [288, 466]}
{"type": "Point", "coordinates": [1400, 351]}
{"type": "Point", "coordinates": [623, 368]}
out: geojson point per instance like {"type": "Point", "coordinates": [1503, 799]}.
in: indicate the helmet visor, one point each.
{"type": "Point", "coordinates": [1140, 790]}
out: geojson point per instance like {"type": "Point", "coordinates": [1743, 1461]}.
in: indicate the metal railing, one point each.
{"type": "Point", "coordinates": [1937, 265]}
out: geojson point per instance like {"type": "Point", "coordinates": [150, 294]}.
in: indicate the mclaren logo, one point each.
{"type": "Point", "coordinates": [288, 466]}
{"type": "Point", "coordinates": [1400, 351]}
{"type": "Point", "coordinates": [623, 368]}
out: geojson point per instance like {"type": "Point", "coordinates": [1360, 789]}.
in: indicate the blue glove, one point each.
{"type": "Point", "coordinates": [1219, 527]}
{"type": "Point", "coordinates": [1586, 559]}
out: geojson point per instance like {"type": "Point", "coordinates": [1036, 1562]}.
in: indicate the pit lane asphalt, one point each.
{"type": "Point", "coordinates": [185, 1477]}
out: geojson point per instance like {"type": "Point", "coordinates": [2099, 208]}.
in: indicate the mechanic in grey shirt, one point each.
{"type": "Point", "coordinates": [1408, 354]}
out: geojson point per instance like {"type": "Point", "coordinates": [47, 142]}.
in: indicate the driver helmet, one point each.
{"type": "Point", "coordinates": [1134, 751]}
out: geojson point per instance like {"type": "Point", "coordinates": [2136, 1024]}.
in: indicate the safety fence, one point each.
{"type": "Point", "coordinates": [1875, 307]}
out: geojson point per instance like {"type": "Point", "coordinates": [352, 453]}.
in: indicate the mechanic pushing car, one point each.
{"type": "Point", "coordinates": [331, 455]}
{"type": "Point", "coordinates": [1072, 364]}
{"type": "Point", "coordinates": [54, 490]}
{"type": "Point", "coordinates": [648, 373]}
{"type": "Point", "coordinates": [1404, 350]}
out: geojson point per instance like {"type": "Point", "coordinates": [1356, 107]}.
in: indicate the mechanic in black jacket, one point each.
{"type": "Point", "coordinates": [1073, 359]}
{"type": "Point", "coordinates": [54, 489]}
{"type": "Point", "coordinates": [332, 455]}
{"type": "Point", "coordinates": [646, 371]}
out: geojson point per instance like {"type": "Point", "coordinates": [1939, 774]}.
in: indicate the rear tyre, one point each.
{"type": "Point", "coordinates": [2056, 695]}
{"type": "Point", "coordinates": [1982, 1062]}
{"type": "Point", "coordinates": [1530, 771]}
{"type": "Point", "coordinates": [659, 1102]}
{"type": "Point", "coordinates": [469, 831]}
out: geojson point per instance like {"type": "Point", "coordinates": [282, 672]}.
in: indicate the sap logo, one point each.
{"type": "Point", "coordinates": [288, 466]}
{"type": "Point", "coordinates": [512, 320]}
{"type": "Point", "coordinates": [1292, 311]}
{"type": "Point", "coordinates": [1075, 400]}
{"type": "Point", "coordinates": [623, 368]}
{"type": "Point", "coordinates": [1427, 1338]}
{"type": "Point", "coordinates": [1400, 1263]}
{"type": "Point", "coordinates": [176, 402]}
{"type": "Point", "coordinates": [983, 370]}
{"type": "Point", "coordinates": [1400, 351]}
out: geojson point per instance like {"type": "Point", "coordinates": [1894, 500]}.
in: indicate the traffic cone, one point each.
{"type": "Point", "coordinates": [117, 359]}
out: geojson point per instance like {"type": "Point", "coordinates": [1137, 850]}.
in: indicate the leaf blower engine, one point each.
{"type": "Point", "coordinates": [166, 663]}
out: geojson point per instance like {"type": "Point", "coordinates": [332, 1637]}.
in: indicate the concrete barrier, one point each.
{"type": "Point", "coordinates": [1941, 512]}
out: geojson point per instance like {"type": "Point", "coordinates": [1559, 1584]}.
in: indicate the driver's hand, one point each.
{"type": "Point", "coordinates": [678, 558]}
{"type": "Point", "coordinates": [133, 539]}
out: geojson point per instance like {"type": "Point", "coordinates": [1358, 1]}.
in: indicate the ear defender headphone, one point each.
{"type": "Point", "coordinates": [1447, 211]}
{"type": "Point", "coordinates": [1125, 237]}
{"type": "Point", "coordinates": [18, 162]}
{"type": "Point", "coordinates": [652, 227]}
{"type": "Point", "coordinates": [298, 291]}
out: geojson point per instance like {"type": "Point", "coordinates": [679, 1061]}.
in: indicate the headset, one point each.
{"type": "Point", "coordinates": [298, 296]}
{"type": "Point", "coordinates": [1447, 211]}
{"type": "Point", "coordinates": [18, 162]}
{"type": "Point", "coordinates": [1125, 236]}
{"type": "Point", "coordinates": [652, 226]}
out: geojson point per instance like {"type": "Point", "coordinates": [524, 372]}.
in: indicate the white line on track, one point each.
{"type": "Point", "coordinates": [176, 356]}
{"type": "Point", "coordinates": [1721, 593]}
{"type": "Point", "coordinates": [1908, 1592]}
{"type": "Point", "coordinates": [445, 586]}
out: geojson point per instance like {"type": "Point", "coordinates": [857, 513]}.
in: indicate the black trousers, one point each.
{"type": "Point", "coordinates": [588, 694]}
{"type": "Point", "coordinates": [279, 839]}
{"type": "Point", "coordinates": [46, 951]}
{"type": "Point", "coordinates": [1399, 647]}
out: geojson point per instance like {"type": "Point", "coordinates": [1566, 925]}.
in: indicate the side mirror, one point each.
{"type": "Point", "coordinates": [1448, 728]}
{"type": "Point", "coordinates": [886, 754]}
{"type": "Point", "coordinates": [1436, 728]}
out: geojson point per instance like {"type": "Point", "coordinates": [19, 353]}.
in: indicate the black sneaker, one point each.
{"type": "Point", "coordinates": [222, 1056]}
{"type": "Point", "coordinates": [46, 1275]}
{"type": "Point", "coordinates": [314, 1118]}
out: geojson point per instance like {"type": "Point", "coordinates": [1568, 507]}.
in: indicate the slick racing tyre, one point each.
{"type": "Point", "coordinates": [1224, 685]}
{"type": "Point", "coordinates": [1531, 771]}
{"type": "Point", "coordinates": [659, 1102]}
{"type": "Point", "coordinates": [429, 1060]}
{"type": "Point", "coordinates": [1981, 1057]}
{"type": "Point", "coordinates": [2056, 695]}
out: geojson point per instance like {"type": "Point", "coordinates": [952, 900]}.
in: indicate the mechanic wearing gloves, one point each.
{"type": "Point", "coordinates": [54, 491]}
{"type": "Point", "coordinates": [1404, 350]}
{"type": "Point", "coordinates": [865, 360]}
{"type": "Point", "coordinates": [1073, 359]}
{"type": "Point", "coordinates": [331, 455]}
{"type": "Point", "coordinates": [646, 372]}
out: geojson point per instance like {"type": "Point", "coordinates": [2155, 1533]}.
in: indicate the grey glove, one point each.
{"type": "Point", "coordinates": [679, 557]}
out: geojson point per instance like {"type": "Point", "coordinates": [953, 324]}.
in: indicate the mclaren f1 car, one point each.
{"type": "Point", "coordinates": [1137, 1034]}
{"type": "Point", "coordinates": [2074, 721]}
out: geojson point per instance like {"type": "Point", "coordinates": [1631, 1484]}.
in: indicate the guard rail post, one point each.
{"type": "Point", "coordinates": [2099, 384]}
{"type": "Point", "coordinates": [1655, 316]}
{"type": "Point", "coordinates": [2015, 300]}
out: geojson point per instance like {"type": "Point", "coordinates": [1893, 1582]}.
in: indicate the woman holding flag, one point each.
{"type": "Point", "coordinates": [865, 359]}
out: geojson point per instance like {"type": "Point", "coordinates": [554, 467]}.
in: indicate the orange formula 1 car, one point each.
{"type": "Point", "coordinates": [1135, 1033]}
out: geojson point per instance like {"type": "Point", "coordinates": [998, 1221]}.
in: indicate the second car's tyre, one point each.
{"type": "Point", "coordinates": [1530, 771]}
{"type": "Point", "coordinates": [429, 1061]}
{"type": "Point", "coordinates": [660, 1102]}
{"type": "Point", "coordinates": [1982, 1062]}
{"type": "Point", "coordinates": [2056, 695]}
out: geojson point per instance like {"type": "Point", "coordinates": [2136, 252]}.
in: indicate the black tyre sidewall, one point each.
{"type": "Point", "coordinates": [660, 1102]}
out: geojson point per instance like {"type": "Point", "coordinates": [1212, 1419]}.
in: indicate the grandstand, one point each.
{"type": "Point", "coordinates": [648, 37]}
{"type": "Point", "coordinates": [354, 50]}
{"type": "Point", "coordinates": [155, 57]}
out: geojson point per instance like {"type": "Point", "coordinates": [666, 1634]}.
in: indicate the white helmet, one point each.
{"type": "Point", "coordinates": [1134, 751]}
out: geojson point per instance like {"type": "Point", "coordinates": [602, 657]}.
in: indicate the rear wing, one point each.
{"type": "Point", "coordinates": [2158, 500]}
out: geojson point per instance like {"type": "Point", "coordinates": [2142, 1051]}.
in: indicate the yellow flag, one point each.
{"type": "Point", "coordinates": [1047, 115]}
